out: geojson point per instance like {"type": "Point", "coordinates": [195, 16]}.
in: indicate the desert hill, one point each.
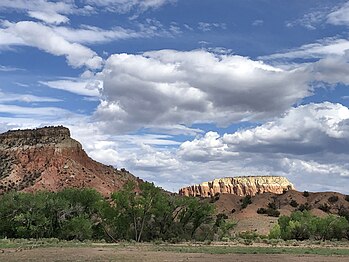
{"type": "Point", "coordinates": [319, 204]}
{"type": "Point", "coordinates": [256, 202]}
{"type": "Point", "coordinates": [49, 159]}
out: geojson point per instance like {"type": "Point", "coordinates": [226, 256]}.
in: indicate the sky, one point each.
{"type": "Point", "coordinates": [180, 92]}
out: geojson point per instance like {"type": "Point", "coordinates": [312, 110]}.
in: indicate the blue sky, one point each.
{"type": "Point", "coordinates": [181, 92]}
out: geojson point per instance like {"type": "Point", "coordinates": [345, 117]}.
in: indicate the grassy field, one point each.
{"type": "Point", "coordinates": [255, 250]}
{"type": "Point", "coordinates": [341, 249]}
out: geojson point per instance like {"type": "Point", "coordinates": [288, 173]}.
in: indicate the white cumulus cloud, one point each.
{"type": "Point", "coordinates": [170, 87]}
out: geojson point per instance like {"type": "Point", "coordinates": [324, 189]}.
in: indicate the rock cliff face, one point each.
{"type": "Point", "coordinates": [49, 159]}
{"type": "Point", "coordinates": [241, 186]}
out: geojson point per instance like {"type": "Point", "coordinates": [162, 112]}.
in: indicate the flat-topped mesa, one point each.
{"type": "Point", "coordinates": [38, 136]}
{"type": "Point", "coordinates": [49, 159]}
{"type": "Point", "coordinates": [241, 186]}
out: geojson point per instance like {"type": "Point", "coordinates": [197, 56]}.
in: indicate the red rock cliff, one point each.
{"type": "Point", "coordinates": [49, 159]}
{"type": "Point", "coordinates": [241, 186]}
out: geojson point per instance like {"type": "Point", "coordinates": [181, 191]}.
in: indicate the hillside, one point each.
{"type": "Point", "coordinates": [49, 159]}
{"type": "Point", "coordinates": [249, 220]}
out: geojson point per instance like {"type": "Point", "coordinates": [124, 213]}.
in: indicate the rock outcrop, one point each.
{"type": "Point", "coordinates": [49, 159]}
{"type": "Point", "coordinates": [241, 186]}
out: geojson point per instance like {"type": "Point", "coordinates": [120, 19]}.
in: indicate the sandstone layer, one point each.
{"type": "Point", "coordinates": [241, 186]}
{"type": "Point", "coordinates": [49, 159]}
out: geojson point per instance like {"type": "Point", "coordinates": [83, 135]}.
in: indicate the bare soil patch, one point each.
{"type": "Point", "coordinates": [144, 253]}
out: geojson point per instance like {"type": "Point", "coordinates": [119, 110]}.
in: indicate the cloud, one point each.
{"type": "Point", "coordinates": [206, 27]}
{"type": "Point", "coordinates": [125, 6]}
{"type": "Point", "coordinates": [258, 22]}
{"type": "Point", "coordinates": [326, 61]}
{"type": "Point", "coordinates": [340, 16]}
{"type": "Point", "coordinates": [11, 97]}
{"type": "Point", "coordinates": [37, 35]}
{"type": "Point", "coordinates": [9, 68]}
{"type": "Point", "coordinates": [320, 49]}
{"type": "Point", "coordinates": [47, 11]}
{"type": "Point", "coordinates": [310, 20]}
{"type": "Point", "coordinates": [43, 112]}
{"type": "Point", "coordinates": [307, 129]}
{"type": "Point", "coordinates": [170, 87]}
{"type": "Point", "coordinates": [76, 86]}
{"type": "Point", "coordinates": [95, 35]}
{"type": "Point", "coordinates": [331, 13]}
{"type": "Point", "coordinates": [307, 142]}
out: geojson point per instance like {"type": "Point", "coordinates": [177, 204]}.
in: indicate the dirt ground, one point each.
{"type": "Point", "coordinates": [135, 254]}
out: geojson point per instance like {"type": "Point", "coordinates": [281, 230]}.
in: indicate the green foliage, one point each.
{"type": "Point", "coordinates": [303, 225]}
{"type": "Point", "coordinates": [305, 193]}
{"type": "Point", "coordinates": [153, 214]}
{"type": "Point", "coordinates": [223, 226]}
{"type": "Point", "coordinates": [79, 227]}
{"type": "Point", "coordinates": [247, 200]}
{"type": "Point", "coordinates": [275, 232]}
{"type": "Point", "coordinates": [50, 215]}
{"type": "Point", "coordinates": [142, 214]}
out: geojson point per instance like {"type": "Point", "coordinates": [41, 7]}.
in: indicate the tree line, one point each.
{"type": "Point", "coordinates": [302, 225]}
{"type": "Point", "coordinates": [141, 215]}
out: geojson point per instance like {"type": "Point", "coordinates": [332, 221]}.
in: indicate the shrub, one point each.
{"type": "Point", "coordinates": [233, 210]}
{"type": "Point", "coordinates": [324, 207]}
{"type": "Point", "coordinates": [306, 193]}
{"type": "Point", "coordinates": [261, 210]}
{"type": "Point", "coordinates": [272, 205]}
{"type": "Point", "coordinates": [268, 211]}
{"type": "Point", "coordinates": [346, 198]}
{"type": "Point", "coordinates": [273, 212]}
{"type": "Point", "coordinates": [333, 199]}
{"type": "Point", "coordinates": [246, 201]}
{"type": "Point", "coordinates": [294, 203]}
{"type": "Point", "coordinates": [275, 232]}
{"type": "Point", "coordinates": [304, 207]}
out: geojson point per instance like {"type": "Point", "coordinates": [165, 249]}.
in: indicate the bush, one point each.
{"type": "Point", "coordinates": [273, 212]}
{"type": "Point", "coordinates": [272, 205]}
{"type": "Point", "coordinates": [261, 210]}
{"type": "Point", "coordinates": [324, 207]}
{"type": "Point", "coordinates": [233, 210]}
{"type": "Point", "coordinates": [304, 207]}
{"type": "Point", "coordinates": [333, 199]}
{"type": "Point", "coordinates": [246, 201]}
{"type": "Point", "coordinates": [305, 193]}
{"type": "Point", "coordinates": [275, 232]}
{"type": "Point", "coordinates": [268, 211]}
{"type": "Point", "coordinates": [346, 198]}
{"type": "Point", "coordinates": [303, 225]}
{"type": "Point", "coordinates": [294, 203]}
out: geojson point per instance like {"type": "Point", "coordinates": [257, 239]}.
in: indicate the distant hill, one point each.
{"type": "Point", "coordinates": [49, 159]}
{"type": "Point", "coordinates": [319, 204]}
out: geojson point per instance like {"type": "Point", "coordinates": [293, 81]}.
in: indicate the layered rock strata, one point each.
{"type": "Point", "coordinates": [49, 159]}
{"type": "Point", "coordinates": [241, 186]}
